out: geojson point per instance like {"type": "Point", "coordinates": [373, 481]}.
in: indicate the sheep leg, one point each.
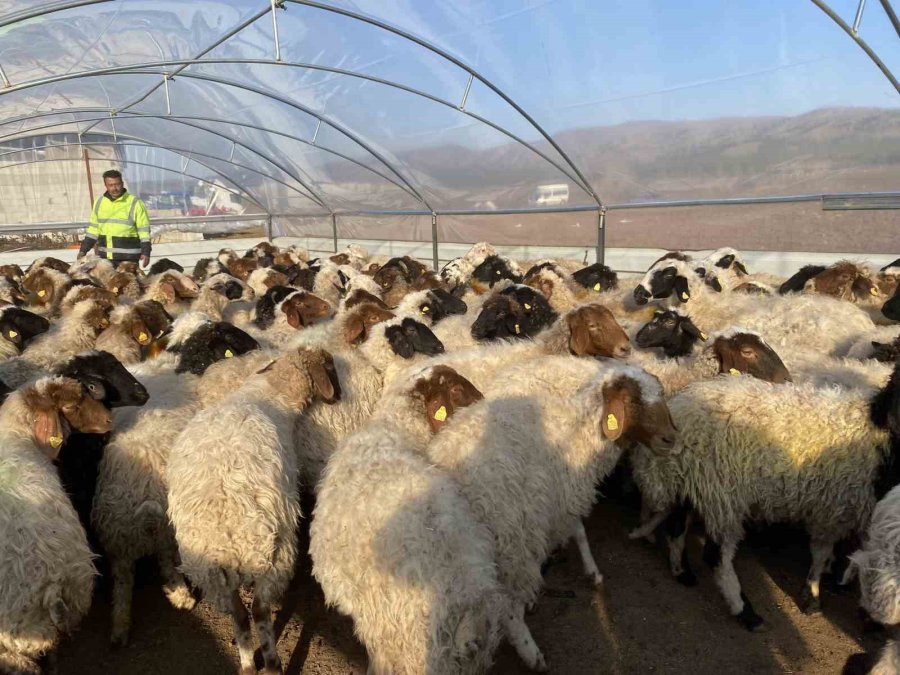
{"type": "Point", "coordinates": [521, 639]}
{"type": "Point", "coordinates": [649, 523]}
{"type": "Point", "coordinates": [677, 525]}
{"type": "Point", "coordinates": [123, 587]}
{"type": "Point", "coordinates": [242, 634]}
{"type": "Point", "coordinates": [590, 565]}
{"type": "Point", "coordinates": [721, 558]}
{"type": "Point", "coordinates": [262, 617]}
{"type": "Point", "coordinates": [809, 598]}
{"type": "Point", "coordinates": [174, 585]}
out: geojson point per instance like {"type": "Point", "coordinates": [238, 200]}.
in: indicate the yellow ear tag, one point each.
{"type": "Point", "coordinates": [685, 296]}
{"type": "Point", "coordinates": [440, 414]}
{"type": "Point", "coordinates": [873, 291]}
{"type": "Point", "coordinates": [425, 309]}
{"type": "Point", "coordinates": [611, 422]}
{"type": "Point", "coordinates": [115, 289]}
{"type": "Point", "coordinates": [143, 338]}
{"type": "Point", "coordinates": [597, 287]}
{"type": "Point", "coordinates": [703, 336]}
{"type": "Point", "coordinates": [42, 293]}
{"type": "Point", "coordinates": [13, 334]}
{"type": "Point", "coordinates": [734, 371]}
{"type": "Point", "coordinates": [229, 354]}
{"type": "Point", "coordinates": [527, 306]}
{"type": "Point", "coordinates": [55, 441]}
{"type": "Point", "coordinates": [518, 330]}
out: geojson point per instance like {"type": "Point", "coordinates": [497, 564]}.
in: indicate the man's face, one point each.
{"type": "Point", "coordinates": [114, 186]}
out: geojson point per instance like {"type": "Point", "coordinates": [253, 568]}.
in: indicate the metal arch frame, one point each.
{"type": "Point", "coordinates": [585, 184]}
{"type": "Point", "coordinates": [26, 14]}
{"type": "Point", "coordinates": [138, 69]}
{"type": "Point", "coordinates": [148, 164]}
{"type": "Point", "coordinates": [858, 40]}
{"type": "Point", "coordinates": [313, 195]}
{"type": "Point", "coordinates": [219, 173]}
{"type": "Point", "coordinates": [140, 142]}
{"type": "Point", "coordinates": [179, 118]}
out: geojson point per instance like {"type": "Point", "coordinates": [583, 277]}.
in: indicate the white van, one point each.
{"type": "Point", "coordinates": [550, 195]}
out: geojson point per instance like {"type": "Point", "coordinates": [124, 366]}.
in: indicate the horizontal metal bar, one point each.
{"type": "Point", "coordinates": [861, 202]}
{"type": "Point", "coordinates": [186, 220]}
{"type": "Point", "coordinates": [737, 201]}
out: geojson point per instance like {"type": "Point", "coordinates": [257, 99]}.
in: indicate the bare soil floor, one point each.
{"type": "Point", "coordinates": [641, 621]}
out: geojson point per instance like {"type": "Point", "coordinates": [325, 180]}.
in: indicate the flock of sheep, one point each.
{"type": "Point", "coordinates": [452, 429]}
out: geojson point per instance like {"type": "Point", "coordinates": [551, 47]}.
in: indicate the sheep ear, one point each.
{"type": "Point", "coordinates": [400, 343]}
{"type": "Point", "coordinates": [322, 381]}
{"type": "Point", "coordinates": [49, 432]}
{"type": "Point", "coordinates": [545, 286]}
{"type": "Point", "coordinates": [682, 289]}
{"type": "Point", "coordinates": [729, 361]}
{"type": "Point", "coordinates": [140, 332]}
{"type": "Point", "coordinates": [167, 290]}
{"type": "Point", "coordinates": [614, 406]}
{"type": "Point", "coordinates": [579, 336]}
{"type": "Point", "coordinates": [437, 412]}
{"type": "Point", "coordinates": [294, 319]}
{"type": "Point", "coordinates": [354, 330]}
{"type": "Point", "coordinates": [691, 329]}
{"type": "Point", "coordinates": [725, 261]}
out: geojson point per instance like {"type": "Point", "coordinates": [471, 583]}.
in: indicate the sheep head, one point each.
{"type": "Point", "coordinates": [594, 331]}
{"type": "Point", "coordinates": [443, 392]}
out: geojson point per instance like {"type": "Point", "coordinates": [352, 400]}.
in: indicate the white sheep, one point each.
{"type": "Point", "coordinates": [388, 347]}
{"type": "Point", "coordinates": [233, 496]}
{"type": "Point", "coordinates": [768, 452]}
{"type": "Point", "coordinates": [132, 329]}
{"type": "Point", "coordinates": [218, 291]}
{"type": "Point", "coordinates": [174, 290]}
{"type": "Point", "coordinates": [46, 566]}
{"type": "Point", "coordinates": [528, 462]}
{"type": "Point", "coordinates": [396, 547]}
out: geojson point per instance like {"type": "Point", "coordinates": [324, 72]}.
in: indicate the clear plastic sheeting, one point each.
{"type": "Point", "coordinates": [512, 120]}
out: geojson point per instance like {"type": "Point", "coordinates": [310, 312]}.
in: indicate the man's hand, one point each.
{"type": "Point", "coordinates": [145, 260]}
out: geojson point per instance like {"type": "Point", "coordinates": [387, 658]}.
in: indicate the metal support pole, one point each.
{"type": "Point", "coordinates": [601, 236]}
{"type": "Point", "coordinates": [434, 241]}
{"type": "Point", "coordinates": [334, 231]}
{"type": "Point", "coordinates": [859, 13]}
{"type": "Point", "coordinates": [90, 181]}
{"type": "Point", "coordinates": [168, 101]}
{"type": "Point", "coordinates": [462, 105]}
{"type": "Point", "coordinates": [269, 227]}
{"type": "Point", "coordinates": [275, 5]}
{"type": "Point", "coordinates": [6, 82]}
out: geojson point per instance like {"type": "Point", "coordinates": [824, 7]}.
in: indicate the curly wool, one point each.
{"type": "Point", "coordinates": [233, 496]}
{"type": "Point", "coordinates": [878, 562]}
{"type": "Point", "coordinates": [396, 547]}
{"type": "Point", "coordinates": [528, 464]}
{"type": "Point", "coordinates": [46, 568]}
{"type": "Point", "coordinates": [73, 333]}
{"type": "Point", "coordinates": [754, 450]}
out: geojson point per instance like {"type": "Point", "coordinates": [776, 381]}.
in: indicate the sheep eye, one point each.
{"type": "Point", "coordinates": [749, 353]}
{"type": "Point", "coordinates": [92, 387]}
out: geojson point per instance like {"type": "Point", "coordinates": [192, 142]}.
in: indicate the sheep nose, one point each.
{"type": "Point", "coordinates": [623, 351]}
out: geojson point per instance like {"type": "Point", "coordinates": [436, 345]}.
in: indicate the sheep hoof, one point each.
{"type": "Point", "coordinates": [118, 640]}
{"type": "Point", "coordinates": [248, 670]}
{"type": "Point", "coordinates": [751, 620]}
{"type": "Point", "coordinates": [595, 579]}
{"type": "Point", "coordinates": [687, 578]}
{"type": "Point", "coordinates": [180, 597]}
{"type": "Point", "coordinates": [809, 604]}
{"type": "Point", "coordinates": [540, 664]}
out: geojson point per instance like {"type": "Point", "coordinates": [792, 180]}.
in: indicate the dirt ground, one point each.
{"type": "Point", "coordinates": [641, 621]}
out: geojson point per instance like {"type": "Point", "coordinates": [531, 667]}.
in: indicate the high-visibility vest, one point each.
{"type": "Point", "coordinates": [121, 228]}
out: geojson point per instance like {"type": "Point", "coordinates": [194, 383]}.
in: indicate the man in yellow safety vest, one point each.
{"type": "Point", "coordinates": [120, 226]}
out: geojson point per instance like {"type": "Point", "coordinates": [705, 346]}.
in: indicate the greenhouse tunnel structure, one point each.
{"type": "Point", "coordinates": [606, 129]}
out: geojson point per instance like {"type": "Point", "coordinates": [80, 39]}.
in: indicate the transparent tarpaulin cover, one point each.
{"type": "Point", "coordinates": [379, 107]}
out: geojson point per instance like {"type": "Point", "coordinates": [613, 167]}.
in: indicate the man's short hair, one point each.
{"type": "Point", "coordinates": [112, 173]}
